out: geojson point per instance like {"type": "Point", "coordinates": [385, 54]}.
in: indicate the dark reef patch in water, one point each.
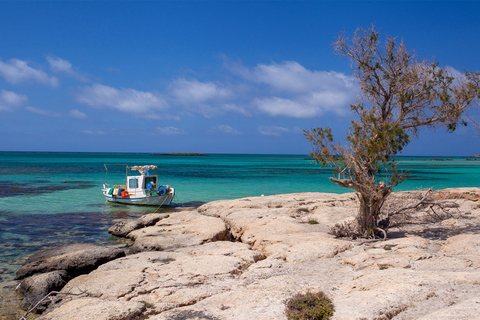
{"type": "Point", "coordinates": [36, 187]}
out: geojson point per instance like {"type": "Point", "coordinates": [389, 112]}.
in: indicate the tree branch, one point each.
{"type": "Point", "coordinates": [49, 296]}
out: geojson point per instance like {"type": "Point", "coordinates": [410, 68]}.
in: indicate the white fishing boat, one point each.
{"type": "Point", "coordinates": [141, 188]}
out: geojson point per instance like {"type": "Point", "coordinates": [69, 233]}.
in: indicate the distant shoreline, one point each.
{"type": "Point", "coordinates": [179, 154]}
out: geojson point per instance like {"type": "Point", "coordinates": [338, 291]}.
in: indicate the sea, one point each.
{"type": "Point", "coordinates": [48, 198]}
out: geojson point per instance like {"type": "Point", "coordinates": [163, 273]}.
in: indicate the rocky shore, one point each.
{"type": "Point", "coordinates": [243, 259]}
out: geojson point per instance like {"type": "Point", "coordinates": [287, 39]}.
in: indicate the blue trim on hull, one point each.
{"type": "Point", "coordinates": [164, 200]}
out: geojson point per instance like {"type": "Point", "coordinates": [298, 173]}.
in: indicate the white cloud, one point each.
{"type": "Point", "coordinates": [94, 132]}
{"type": "Point", "coordinates": [285, 107]}
{"type": "Point", "coordinates": [17, 71]}
{"type": "Point", "coordinates": [43, 112]}
{"type": "Point", "coordinates": [223, 128]}
{"type": "Point", "coordinates": [171, 131]}
{"type": "Point", "coordinates": [275, 131]}
{"type": "Point", "coordinates": [77, 114]}
{"type": "Point", "coordinates": [60, 65]}
{"type": "Point", "coordinates": [279, 89]}
{"type": "Point", "coordinates": [113, 69]}
{"type": "Point", "coordinates": [141, 103]}
{"type": "Point", "coordinates": [189, 92]}
{"type": "Point", "coordinates": [231, 107]}
{"type": "Point", "coordinates": [9, 100]}
{"type": "Point", "coordinates": [299, 92]}
{"type": "Point", "coordinates": [205, 98]}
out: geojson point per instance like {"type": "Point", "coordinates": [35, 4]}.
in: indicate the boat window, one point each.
{"type": "Point", "coordinates": [133, 183]}
{"type": "Point", "coordinates": [153, 180]}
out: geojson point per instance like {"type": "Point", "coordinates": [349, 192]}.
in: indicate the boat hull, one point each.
{"type": "Point", "coordinates": [160, 200]}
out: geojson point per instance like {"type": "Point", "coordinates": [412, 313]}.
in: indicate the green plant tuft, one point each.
{"type": "Point", "coordinates": [309, 306]}
{"type": "Point", "coordinates": [148, 304]}
{"type": "Point", "coordinates": [312, 221]}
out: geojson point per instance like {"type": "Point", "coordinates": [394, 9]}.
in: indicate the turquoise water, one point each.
{"type": "Point", "coordinates": [53, 198]}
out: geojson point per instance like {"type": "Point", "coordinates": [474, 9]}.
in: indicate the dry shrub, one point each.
{"type": "Point", "coordinates": [423, 206]}
{"type": "Point", "coordinates": [309, 306]}
{"type": "Point", "coordinates": [390, 314]}
{"type": "Point", "coordinates": [344, 230]}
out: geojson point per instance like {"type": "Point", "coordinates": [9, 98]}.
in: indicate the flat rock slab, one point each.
{"type": "Point", "coordinates": [75, 259]}
{"type": "Point", "coordinates": [160, 278]}
{"type": "Point", "coordinates": [180, 229]}
{"type": "Point", "coordinates": [252, 220]}
{"type": "Point", "coordinates": [98, 309]}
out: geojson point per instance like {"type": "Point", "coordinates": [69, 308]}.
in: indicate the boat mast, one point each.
{"type": "Point", "coordinates": [106, 172]}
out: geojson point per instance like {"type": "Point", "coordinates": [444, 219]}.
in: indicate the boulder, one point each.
{"type": "Point", "coordinates": [123, 228]}
{"type": "Point", "coordinates": [180, 229]}
{"type": "Point", "coordinates": [75, 259]}
{"type": "Point", "coordinates": [36, 287]}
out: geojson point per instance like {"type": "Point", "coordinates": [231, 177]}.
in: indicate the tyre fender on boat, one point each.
{"type": "Point", "coordinates": [162, 190]}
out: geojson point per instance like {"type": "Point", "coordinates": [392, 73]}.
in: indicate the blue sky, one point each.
{"type": "Point", "coordinates": [206, 76]}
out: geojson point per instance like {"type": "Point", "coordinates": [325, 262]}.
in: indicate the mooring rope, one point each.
{"type": "Point", "coordinates": [160, 205]}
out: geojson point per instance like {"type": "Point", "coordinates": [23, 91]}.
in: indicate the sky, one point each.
{"type": "Point", "coordinates": [207, 76]}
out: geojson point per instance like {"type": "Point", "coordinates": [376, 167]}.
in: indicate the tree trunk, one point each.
{"type": "Point", "coordinates": [372, 197]}
{"type": "Point", "coordinates": [371, 204]}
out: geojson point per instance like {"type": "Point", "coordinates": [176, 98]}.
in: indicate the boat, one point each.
{"type": "Point", "coordinates": [141, 187]}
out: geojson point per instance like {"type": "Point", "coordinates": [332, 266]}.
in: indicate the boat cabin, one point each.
{"type": "Point", "coordinates": [139, 183]}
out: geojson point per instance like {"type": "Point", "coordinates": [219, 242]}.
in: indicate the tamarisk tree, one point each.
{"type": "Point", "coordinates": [399, 96]}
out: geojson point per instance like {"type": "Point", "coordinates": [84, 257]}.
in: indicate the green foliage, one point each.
{"type": "Point", "coordinates": [309, 306]}
{"type": "Point", "coordinates": [312, 221]}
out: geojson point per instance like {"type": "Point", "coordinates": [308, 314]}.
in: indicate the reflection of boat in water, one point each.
{"type": "Point", "coordinates": [141, 188]}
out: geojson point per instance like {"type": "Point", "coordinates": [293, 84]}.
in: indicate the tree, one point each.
{"type": "Point", "coordinates": [399, 96]}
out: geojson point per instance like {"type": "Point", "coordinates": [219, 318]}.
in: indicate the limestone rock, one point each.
{"type": "Point", "coordinates": [277, 224]}
{"type": "Point", "coordinates": [464, 244]}
{"type": "Point", "coordinates": [472, 194]}
{"type": "Point", "coordinates": [469, 309]}
{"type": "Point", "coordinates": [122, 229]}
{"type": "Point", "coordinates": [180, 229]}
{"type": "Point", "coordinates": [36, 287]}
{"type": "Point", "coordinates": [160, 278]}
{"type": "Point", "coordinates": [98, 309]}
{"type": "Point", "coordinates": [75, 259]}
{"type": "Point", "coordinates": [226, 248]}
{"type": "Point", "coordinates": [264, 300]}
